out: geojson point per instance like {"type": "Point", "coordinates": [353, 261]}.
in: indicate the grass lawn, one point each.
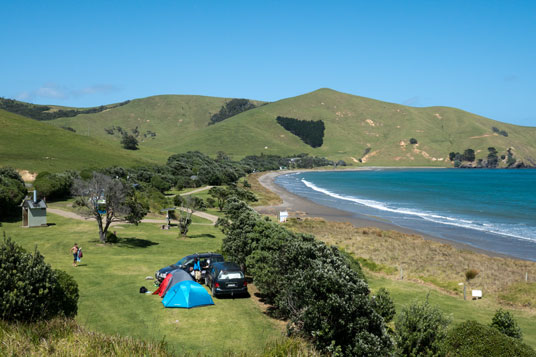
{"type": "Point", "coordinates": [404, 292]}
{"type": "Point", "coordinates": [109, 279]}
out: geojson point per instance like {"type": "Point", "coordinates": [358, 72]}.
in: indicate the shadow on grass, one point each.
{"type": "Point", "coordinates": [270, 310]}
{"type": "Point", "coordinates": [204, 235]}
{"type": "Point", "coordinates": [232, 297]}
{"type": "Point", "coordinates": [135, 243]}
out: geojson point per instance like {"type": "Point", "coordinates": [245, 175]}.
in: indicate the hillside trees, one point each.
{"type": "Point", "coordinates": [231, 108]}
{"type": "Point", "coordinates": [55, 186]}
{"type": "Point", "coordinates": [43, 112]}
{"type": "Point", "coordinates": [309, 131]}
{"type": "Point", "coordinates": [307, 282]}
{"type": "Point", "coordinates": [129, 142]}
{"type": "Point", "coordinates": [12, 192]}
{"type": "Point", "coordinates": [103, 198]}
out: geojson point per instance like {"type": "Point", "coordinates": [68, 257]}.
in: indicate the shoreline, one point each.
{"type": "Point", "coordinates": [299, 206]}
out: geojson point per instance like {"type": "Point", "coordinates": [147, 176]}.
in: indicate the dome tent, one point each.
{"type": "Point", "coordinates": [187, 294]}
{"type": "Point", "coordinates": [172, 278]}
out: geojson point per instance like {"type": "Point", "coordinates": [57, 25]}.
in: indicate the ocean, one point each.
{"type": "Point", "coordinates": [494, 210]}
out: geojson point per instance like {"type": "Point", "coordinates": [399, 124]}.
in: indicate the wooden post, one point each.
{"type": "Point", "coordinates": [464, 296]}
{"type": "Point", "coordinates": [401, 273]}
{"type": "Point", "coordinates": [526, 277]}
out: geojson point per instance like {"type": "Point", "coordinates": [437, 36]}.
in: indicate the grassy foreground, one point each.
{"type": "Point", "coordinates": [109, 279]}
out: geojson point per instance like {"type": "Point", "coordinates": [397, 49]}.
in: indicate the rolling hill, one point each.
{"type": "Point", "coordinates": [358, 130]}
{"type": "Point", "coordinates": [27, 144]}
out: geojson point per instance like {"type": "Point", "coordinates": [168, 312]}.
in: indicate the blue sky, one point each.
{"type": "Point", "coordinates": [478, 56]}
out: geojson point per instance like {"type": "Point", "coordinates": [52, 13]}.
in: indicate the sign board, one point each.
{"type": "Point", "coordinates": [477, 293]}
{"type": "Point", "coordinates": [283, 215]}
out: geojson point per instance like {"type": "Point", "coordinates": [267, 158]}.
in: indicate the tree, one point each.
{"type": "Point", "coordinates": [420, 330]}
{"type": "Point", "coordinates": [469, 155]}
{"type": "Point", "coordinates": [504, 322]}
{"type": "Point", "coordinates": [102, 198]}
{"type": "Point", "coordinates": [129, 142]}
{"type": "Point", "coordinates": [29, 289]}
{"type": "Point", "coordinates": [471, 338]}
{"type": "Point", "coordinates": [12, 192]}
{"type": "Point", "coordinates": [188, 205]}
{"type": "Point", "coordinates": [220, 194]}
{"type": "Point", "coordinates": [384, 305]}
{"type": "Point", "coordinates": [469, 275]}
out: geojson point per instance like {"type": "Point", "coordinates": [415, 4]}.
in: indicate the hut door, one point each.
{"type": "Point", "coordinates": [25, 218]}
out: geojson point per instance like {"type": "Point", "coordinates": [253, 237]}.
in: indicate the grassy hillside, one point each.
{"type": "Point", "coordinates": [36, 146]}
{"type": "Point", "coordinates": [359, 130]}
{"type": "Point", "coordinates": [354, 124]}
{"type": "Point", "coordinates": [172, 117]}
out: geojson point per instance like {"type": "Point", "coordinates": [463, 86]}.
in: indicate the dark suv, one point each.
{"type": "Point", "coordinates": [205, 259]}
{"type": "Point", "coordinates": [226, 279]}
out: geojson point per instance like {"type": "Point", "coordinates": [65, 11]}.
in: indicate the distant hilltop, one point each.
{"type": "Point", "coordinates": [325, 123]}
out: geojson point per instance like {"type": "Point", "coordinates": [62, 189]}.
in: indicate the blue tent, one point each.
{"type": "Point", "coordinates": [187, 294]}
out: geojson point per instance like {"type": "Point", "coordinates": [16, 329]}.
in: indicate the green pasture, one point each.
{"type": "Point", "coordinates": [353, 125]}
{"type": "Point", "coordinates": [109, 279]}
{"type": "Point", "coordinates": [38, 146]}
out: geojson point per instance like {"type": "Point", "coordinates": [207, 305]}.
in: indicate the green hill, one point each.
{"type": "Point", "coordinates": [358, 130]}
{"type": "Point", "coordinates": [357, 125]}
{"type": "Point", "coordinates": [36, 146]}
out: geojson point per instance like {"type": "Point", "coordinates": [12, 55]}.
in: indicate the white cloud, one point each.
{"type": "Point", "coordinates": [55, 91]}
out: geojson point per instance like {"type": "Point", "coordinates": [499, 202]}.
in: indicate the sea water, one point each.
{"type": "Point", "coordinates": [494, 210]}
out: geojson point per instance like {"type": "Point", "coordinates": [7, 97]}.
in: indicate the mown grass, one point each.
{"type": "Point", "coordinates": [109, 278]}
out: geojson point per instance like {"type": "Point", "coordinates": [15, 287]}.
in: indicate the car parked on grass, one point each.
{"type": "Point", "coordinates": [205, 259]}
{"type": "Point", "coordinates": [226, 278]}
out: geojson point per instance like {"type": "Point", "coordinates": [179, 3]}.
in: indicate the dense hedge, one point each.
{"type": "Point", "coordinates": [29, 289]}
{"type": "Point", "coordinates": [54, 186]}
{"type": "Point", "coordinates": [470, 339]}
{"type": "Point", "coordinates": [311, 132]}
{"type": "Point", "coordinates": [307, 282]}
{"type": "Point", "coordinates": [41, 112]}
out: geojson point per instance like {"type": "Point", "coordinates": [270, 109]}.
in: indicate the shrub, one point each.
{"type": "Point", "coordinates": [66, 293]}
{"type": "Point", "coordinates": [28, 286]}
{"type": "Point", "coordinates": [12, 192]}
{"type": "Point", "coordinates": [111, 238]}
{"type": "Point", "coordinates": [470, 339]}
{"type": "Point", "coordinates": [307, 282]}
{"type": "Point", "coordinates": [504, 322]}
{"type": "Point", "coordinates": [420, 330]}
{"type": "Point", "coordinates": [413, 141]}
{"type": "Point", "coordinates": [384, 305]}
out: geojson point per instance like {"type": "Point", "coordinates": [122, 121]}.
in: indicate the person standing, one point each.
{"type": "Point", "coordinates": [197, 270]}
{"type": "Point", "coordinates": [74, 251]}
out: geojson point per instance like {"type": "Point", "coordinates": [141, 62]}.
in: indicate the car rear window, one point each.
{"type": "Point", "coordinates": [230, 275]}
{"type": "Point", "coordinates": [217, 258]}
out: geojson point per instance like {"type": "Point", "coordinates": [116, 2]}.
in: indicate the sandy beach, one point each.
{"type": "Point", "coordinates": [298, 206]}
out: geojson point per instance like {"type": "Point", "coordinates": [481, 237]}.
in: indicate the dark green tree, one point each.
{"type": "Point", "coordinates": [420, 330]}
{"type": "Point", "coordinates": [384, 305]}
{"type": "Point", "coordinates": [12, 192]}
{"type": "Point", "coordinates": [504, 322]}
{"type": "Point", "coordinates": [220, 194]}
{"type": "Point", "coordinates": [129, 142]}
